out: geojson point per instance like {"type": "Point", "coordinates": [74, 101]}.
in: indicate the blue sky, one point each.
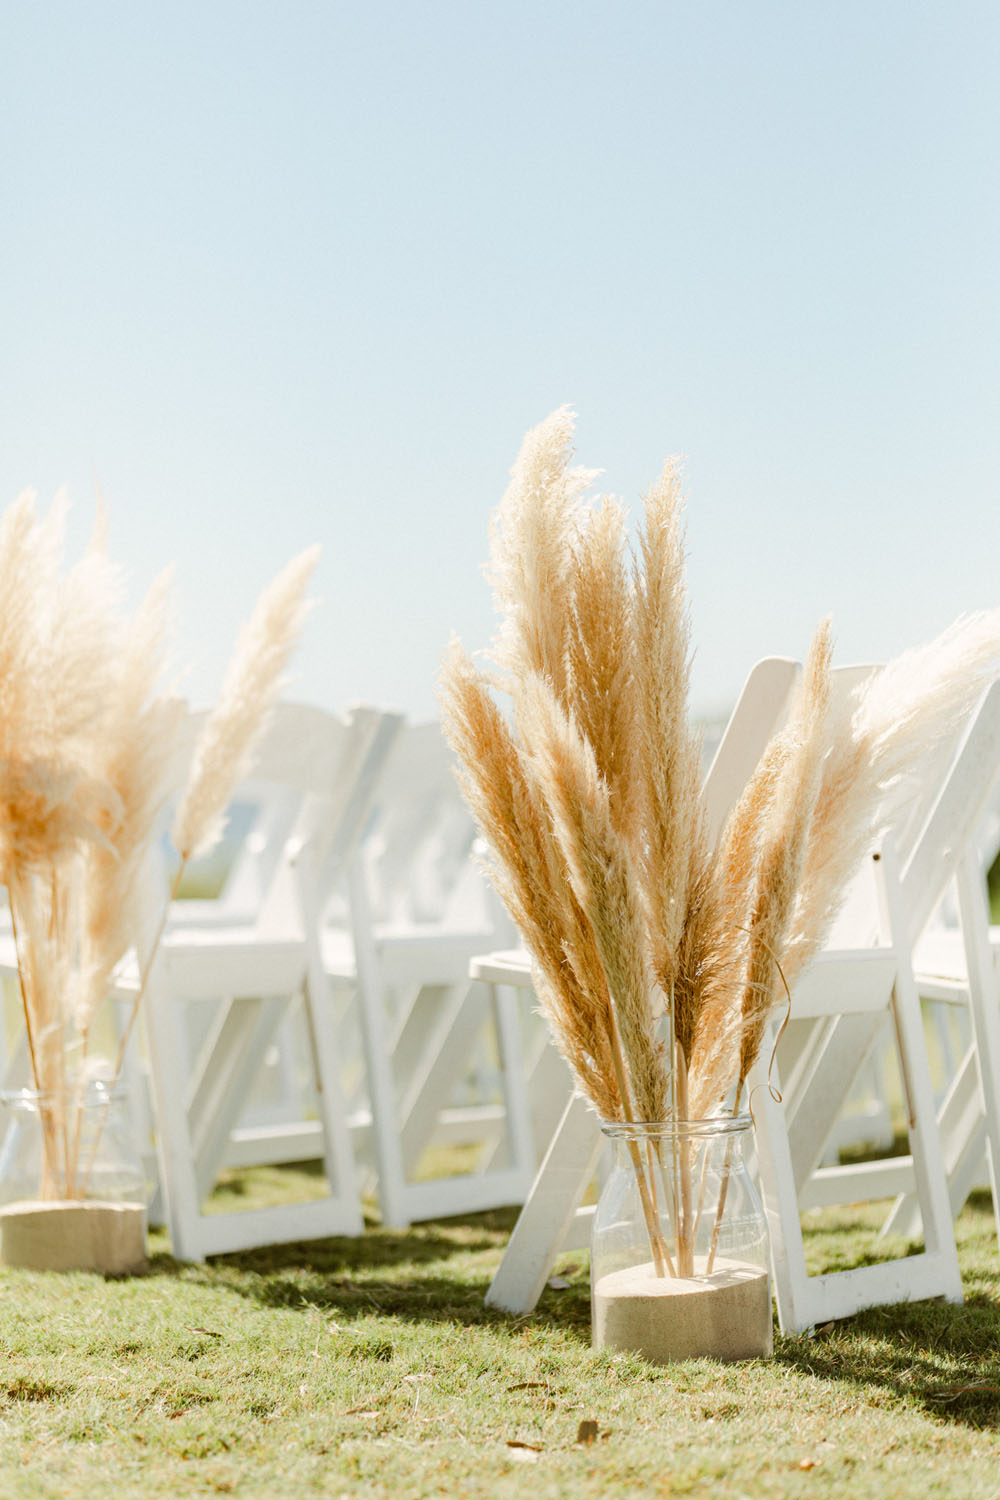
{"type": "Point", "coordinates": [292, 272]}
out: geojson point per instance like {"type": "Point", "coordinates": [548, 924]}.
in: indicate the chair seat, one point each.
{"type": "Point", "coordinates": [406, 951]}
{"type": "Point", "coordinates": [206, 963]}
{"type": "Point", "coordinates": [941, 966]}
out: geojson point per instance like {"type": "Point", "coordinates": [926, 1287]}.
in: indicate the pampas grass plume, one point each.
{"type": "Point", "coordinates": [233, 728]}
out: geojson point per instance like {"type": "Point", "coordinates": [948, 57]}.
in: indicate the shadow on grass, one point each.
{"type": "Point", "coordinates": [419, 1244]}
{"type": "Point", "coordinates": [942, 1358]}
{"type": "Point", "coordinates": [936, 1356]}
{"type": "Point", "coordinates": [939, 1358]}
{"type": "Point", "coordinates": [402, 1274]}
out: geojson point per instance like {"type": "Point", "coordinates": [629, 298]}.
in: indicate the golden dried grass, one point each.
{"type": "Point", "coordinates": [88, 739]}
{"type": "Point", "coordinates": [654, 950]}
{"type": "Point", "coordinates": [225, 746]}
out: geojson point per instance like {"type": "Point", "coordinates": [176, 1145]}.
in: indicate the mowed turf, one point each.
{"type": "Point", "coordinates": [370, 1367]}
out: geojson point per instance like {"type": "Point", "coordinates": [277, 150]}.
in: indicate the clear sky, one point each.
{"type": "Point", "coordinates": [306, 271]}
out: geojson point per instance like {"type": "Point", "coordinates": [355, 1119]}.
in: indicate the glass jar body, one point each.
{"type": "Point", "coordinates": [680, 1265]}
{"type": "Point", "coordinates": [72, 1185]}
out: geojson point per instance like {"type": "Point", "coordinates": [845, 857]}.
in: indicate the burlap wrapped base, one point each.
{"type": "Point", "coordinates": [74, 1236]}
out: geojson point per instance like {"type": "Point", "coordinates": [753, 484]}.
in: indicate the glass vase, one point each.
{"type": "Point", "coordinates": [72, 1186]}
{"type": "Point", "coordinates": [680, 1265]}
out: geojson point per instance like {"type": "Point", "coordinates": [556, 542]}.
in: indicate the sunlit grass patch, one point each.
{"type": "Point", "coordinates": [371, 1367]}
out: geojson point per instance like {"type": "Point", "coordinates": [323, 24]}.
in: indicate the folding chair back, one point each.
{"type": "Point", "coordinates": [442, 1057]}
{"type": "Point", "coordinates": [315, 778]}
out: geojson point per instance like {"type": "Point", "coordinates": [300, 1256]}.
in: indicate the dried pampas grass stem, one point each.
{"type": "Point", "coordinates": [89, 743]}
{"type": "Point", "coordinates": [232, 729]}
{"type": "Point", "coordinates": [657, 953]}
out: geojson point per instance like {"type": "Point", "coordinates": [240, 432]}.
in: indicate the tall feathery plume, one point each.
{"type": "Point", "coordinates": [531, 551]}
{"type": "Point", "coordinates": [30, 556]}
{"type": "Point", "coordinates": [784, 842]}
{"type": "Point", "coordinates": [234, 726]}
{"type": "Point", "coordinates": [718, 1031]}
{"type": "Point", "coordinates": [673, 856]}
{"type": "Point", "coordinates": [604, 884]}
{"type": "Point", "coordinates": [82, 625]}
{"type": "Point", "coordinates": [600, 867]}
{"type": "Point", "coordinates": [669, 753]}
{"type": "Point", "coordinates": [601, 681]}
{"type": "Point", "coordinates": [901, 715]}
{"type": "Point", "coordinates": [529, 874]}
{"type": "Point", "coordinates": [138, 751]}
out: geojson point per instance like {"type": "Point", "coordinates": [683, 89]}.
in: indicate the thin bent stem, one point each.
{"type": "Point", "coordinates": [130, 1023]}
{"type": "Point", "coordinates": [685, 1245]}
{"type": "Point", "coordinates": [657, 1245]}
{"type": "Point", "coordinates": [73, 1162]}
{"type": "Point", "coordinates": [675, 1115]}
{"type": "Point", "coordinates": [25, 1006]}
{"type": "Point", "coordinates": [144, 975]}
{"type": "Point", "coordinates": [723, 1190]}
{"type": "Point", "coordinates": [45, 1122]}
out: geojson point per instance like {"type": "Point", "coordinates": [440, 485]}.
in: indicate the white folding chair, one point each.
{"type": "Point", "coordinates": [842, 986]}
{"type": "Point", "coordinates": [842, 1001]}
{"type": "Point", "coordinates": [552, 1218]}
{"type": "Point", "coordinates": [442, 1056]}
{"type": "Point", "coordinates": [958, 968]}
{"type": "Point", "coordinates": [251, 972]}
{"type": "Point", "coordinates": [941, 850]}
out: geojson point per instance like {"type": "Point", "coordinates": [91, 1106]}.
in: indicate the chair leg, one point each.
{"type": "Point", "coordinates": [804, 1300]}
{"type": "Point", "coordinates": [983, 1005]}
{"type": "Point", "coordinates": [224, 1074]}
{"type": "Point", "coordinates": [544, 1221]}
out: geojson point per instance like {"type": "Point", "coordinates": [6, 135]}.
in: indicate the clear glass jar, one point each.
{"type": "Point", "coordinates": [72, 1185]}
{"type": "Point", "coordinates": [680, 1265]}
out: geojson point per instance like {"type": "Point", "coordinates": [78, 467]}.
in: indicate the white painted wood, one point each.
{"type": "Point", "coordinates": [960, 967]}
{"type": "Point", "coordinates": [551, 1215]}
{"type": "Point", "coordinates": [841, 1003]}
{"type": "Point", "coordinates": [549, 1210]}
{"type": "Point", "coordinates": [969, 1115]}
{"type": "Point", "coordinates": [411, 1067]}
{"type": "Point", "coordinates": [396, 947]}
{"type": "Point", "coordinates": [804, 1301]}
{"type": "Point", "coordinates": [253, 970]}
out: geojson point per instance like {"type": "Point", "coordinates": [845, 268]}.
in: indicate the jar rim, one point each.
{"type": "Point", "coordinates": [709, 1128]}
{"type": "Point", "coordinates": [95, 1091]}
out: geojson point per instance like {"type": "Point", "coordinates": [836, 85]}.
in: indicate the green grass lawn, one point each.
{"type": "Point", "coordinates": [370, 1367]}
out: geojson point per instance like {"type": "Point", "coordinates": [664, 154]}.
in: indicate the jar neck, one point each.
{"type": "Point", "coordinates": [720, 1127]}
{"type": "Point", "coordinates": [94, 1094]}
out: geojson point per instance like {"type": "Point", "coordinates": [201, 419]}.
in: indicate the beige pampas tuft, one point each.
{"type": "Point", "coordinates": [89, 743]}
{"type": "Point", "coordinates": [658, 956]}
{"type": "Point", "coordinates": [233, 728]}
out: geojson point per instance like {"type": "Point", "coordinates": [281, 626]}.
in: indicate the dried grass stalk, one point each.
{"type": "Point", "coordinates": [530, 876]}
{"type": "Point", "coordinates": [650, 945]}
{"type": "Point", "coordinates": [668, 754]}
{"type": "Point", "coordinates": [531, 552]}
{"type": "Point", "coordinates": [902, 716]}
{"type": "Point", "coordinates": [86, 741]}
{"type": "Point", "coordinates": [138, 747]}
{"type": "Point", "coordinates": [604, 883]}
{"type": "Point", "coordinates": [601, 681]}
{"type": "Point", "coordinates": [224, 749]}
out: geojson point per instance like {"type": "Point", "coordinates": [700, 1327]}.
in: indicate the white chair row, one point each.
{"type": "Point", "coordinates": [364, 926]}
{"type": "Point", "coordinates": [319, 1006]}
{"type": "Point", "coordinates": [865, 979]}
